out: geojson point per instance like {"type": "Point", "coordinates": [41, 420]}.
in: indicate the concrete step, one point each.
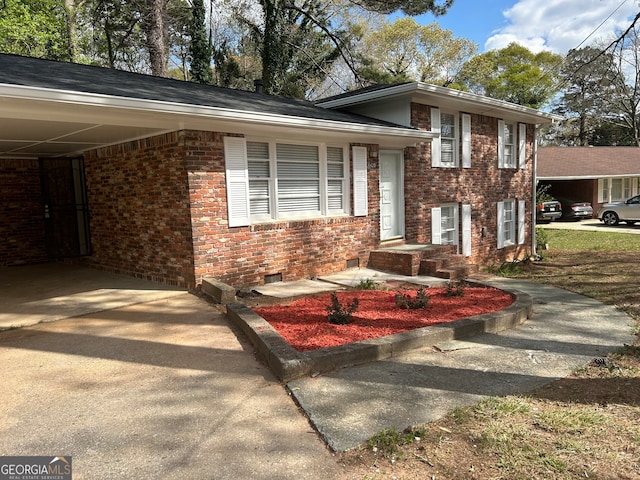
{"type": "Point", "coordinates": [411, 260]}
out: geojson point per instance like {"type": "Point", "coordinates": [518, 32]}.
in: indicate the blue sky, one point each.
{"type": "Point", "coordinates": [556, 25]}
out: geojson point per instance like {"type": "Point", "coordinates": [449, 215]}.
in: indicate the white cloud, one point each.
{"type": "Point", "coordinates": [560, 25]}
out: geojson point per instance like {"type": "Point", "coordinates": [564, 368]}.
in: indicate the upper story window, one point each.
{"type": "Point", "coordinates": [454, 139]}
{"type": "Point", "coordinates": [509, 146]}
{"type": "Point", "coordinates": [512, 145]}
{"type": "Point", "coordinates": [448, 140]}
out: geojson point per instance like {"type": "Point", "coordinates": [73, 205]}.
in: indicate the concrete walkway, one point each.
{"type": "Point", "coordinates": [167, 389]}
{"type": "Point", "coordinates": [566, 331]}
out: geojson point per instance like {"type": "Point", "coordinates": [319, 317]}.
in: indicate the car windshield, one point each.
{"type": "Point", "coordinates": [634, 200]}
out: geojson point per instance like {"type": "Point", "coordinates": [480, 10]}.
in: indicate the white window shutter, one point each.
{"type": "Point", "coordinates": [360, 194]}
{"type": "Point", "coordinates": [500, 225]}
{"type": "Point", "coordinates": [522, 145]}
{"type": "Point", "coordinates": [634, 186]}
{"type": "Point", "coordinates": [466, 230]}
{"type": "Point", "coordinates": [436, 226]}
{"type": "Point", "coordinates": [500, 143]}
{"type": "Point", "coordinates": [466, 140]}
{"type": "Point", "coordinates": [237, 176]}
{"type": "Point", "coordinates": [601, 190]}
{"type": "Point", "coordinates": [435, 143]}
{"type": "Point", "coordinates": [521, 222]}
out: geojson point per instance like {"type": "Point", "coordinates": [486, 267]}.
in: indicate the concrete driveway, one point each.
{"type": "Point", "coordinates": [161, 388]}
{"type": "Point", "coordinates": [593, 225]}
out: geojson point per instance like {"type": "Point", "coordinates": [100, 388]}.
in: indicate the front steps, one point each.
{"type": "Point", "coordinates": [440, 261]}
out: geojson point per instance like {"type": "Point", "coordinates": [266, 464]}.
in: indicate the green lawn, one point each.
{"type": "Point", "coordinates": [581, 240]}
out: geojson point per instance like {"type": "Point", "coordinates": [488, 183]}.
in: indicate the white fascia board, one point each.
{"type": "Point", "coordinates": [404, 135]}
{"type": "Point", "coordinates": [589, 177]}
{"type": "Point", "coordinates": [463, 100]}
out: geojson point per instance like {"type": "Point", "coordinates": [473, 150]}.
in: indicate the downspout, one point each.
{"type": "Point", "coordinates": [534, 183]}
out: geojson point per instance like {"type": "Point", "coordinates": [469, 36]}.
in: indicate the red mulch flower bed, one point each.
{"type": "Point", "coordinates": [303, 323]}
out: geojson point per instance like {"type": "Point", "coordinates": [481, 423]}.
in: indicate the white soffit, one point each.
{"type": "Point", "coordinates": [39, 122]}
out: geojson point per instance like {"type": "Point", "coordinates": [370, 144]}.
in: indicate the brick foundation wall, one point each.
{"type": "Point", "coordinates": [139, 210]}
{"type": "Point", "coordinates": [296, 249]}
{"type": "Point", "coordinates": [481, 186]}
{"type": "Point", "coordinates": [21, 210]}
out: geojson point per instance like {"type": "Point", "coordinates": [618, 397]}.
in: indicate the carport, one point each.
{"type": "Point", "coordinates": [33, 294]}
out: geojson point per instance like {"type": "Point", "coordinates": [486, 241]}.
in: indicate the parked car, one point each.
{"type": "Point", "coordinates": [616, 212]}
{"type": "Point", "coordinates": [575, 210]}
{"type": "Point", "coordinates": [548, 211]}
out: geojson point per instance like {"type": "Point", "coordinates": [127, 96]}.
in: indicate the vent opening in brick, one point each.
{"type": "Point", "coordinates": [353, 263]}
{"type": "Point", "coordinates": [273, 278]}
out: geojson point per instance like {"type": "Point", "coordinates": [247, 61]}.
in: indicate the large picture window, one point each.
{"type": "Point", "coordinates": [295, 180]}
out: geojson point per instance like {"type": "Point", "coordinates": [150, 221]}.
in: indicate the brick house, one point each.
{"type": "Point", "coordinates": [173, 181]}
{"type": "Point", "coordinates": [597, 175]}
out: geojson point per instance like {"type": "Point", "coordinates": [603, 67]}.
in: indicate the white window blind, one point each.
{"type": "Point", "coordinates": [298, 173]}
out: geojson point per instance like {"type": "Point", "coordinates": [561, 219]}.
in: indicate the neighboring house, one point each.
{"type": "Point", "coordinates": [173, 181]}
{"type": "Point", "coordinates": [591, 174]}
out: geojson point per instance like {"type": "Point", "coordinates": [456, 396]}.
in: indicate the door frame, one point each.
{"type": "Point", "coordinates": [399, 207]}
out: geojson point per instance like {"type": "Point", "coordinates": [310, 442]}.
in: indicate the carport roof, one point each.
{"type": "Point", "coordinates": [575, 163]}
{"type": "Point", "coordinates": [50, 108]}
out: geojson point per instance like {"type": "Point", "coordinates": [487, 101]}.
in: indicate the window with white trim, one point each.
{"type": "Point", "coordinates": [445, 148]}
{"type": "Point", "coordinates": [509, 145]}
{"type": "Point", "coordinates": [617, 189]}
{"type": "Point", "coordinates": [444, 224]}
{"type": "Point", "coordinates": [449, 224]}
{"type": "Point", "coordinates": [448, 140]}
{"type": "Point", "coordinates": [512, 145]}
{"type": "Point", "coordinates": [295, 180]}
{"type": "Point", "coordinates": [506, 223]}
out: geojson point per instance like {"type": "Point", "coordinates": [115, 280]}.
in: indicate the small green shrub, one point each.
{"type": "Point", "coordinates": [367, 284]}
{"type": "Point", "coordinates": [456, 289]}
{"type": "Point", "coordinates": [507, 269]}
{"type": "Point", "coordinates": [339, 314]}
{"type": "Point", "coordinates": [542, 239]}
{"type": "Point", "coordinates": [405, 301]}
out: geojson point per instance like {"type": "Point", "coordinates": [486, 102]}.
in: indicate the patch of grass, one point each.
{"type": "Point", "coordinates": [572, 240]}
{"type": "Point", "coordinates": [367, 284]}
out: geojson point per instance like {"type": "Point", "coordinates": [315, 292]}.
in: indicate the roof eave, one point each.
{"type": "Point", "coordinates": [393, 135]}
{"type": "Point", "coordinates": [469, 100]}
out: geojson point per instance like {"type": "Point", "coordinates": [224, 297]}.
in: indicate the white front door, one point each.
{"type": "Point", "coordinates": [391, 195]}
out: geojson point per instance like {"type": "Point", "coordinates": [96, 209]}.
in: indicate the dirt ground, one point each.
{"type": "Point", "coordinates": [583, 426]}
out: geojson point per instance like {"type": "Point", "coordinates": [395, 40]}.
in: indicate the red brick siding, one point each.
{"type": "Point", "coordinates": [243, 256]}
{"type": "Point", "coordinates": [21, 210]}
{"type": "Point", "coordinates": [139, 210]}
{"type": "Point", "coordinates": [481, 186]}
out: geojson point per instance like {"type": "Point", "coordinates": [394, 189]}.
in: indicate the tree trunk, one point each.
{"type": "Point", "coordinates": [70, 9]}
{"type": "Point", "coordinates": [155, 30]}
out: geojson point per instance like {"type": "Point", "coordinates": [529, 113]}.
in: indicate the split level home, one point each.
{"type": "Point", "coordinates": [174, 182]}
{"type": "Point", "coordinates": [597, 175]}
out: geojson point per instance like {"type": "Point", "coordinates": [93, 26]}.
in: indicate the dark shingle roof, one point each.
{"type": "Point", "coordinates": [587, 162]}
{"type": "Point", "coordinates": [32, 72]}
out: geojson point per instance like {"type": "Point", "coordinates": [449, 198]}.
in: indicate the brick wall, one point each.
{"type": "Point", "coordinates": [139, 210]}
{"type": "Point", "coordinates": [243, 256]}
{"type": "Point", "coordinates": [481, 186]}
{"type": "Point", "coordinates": [21, 210]}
